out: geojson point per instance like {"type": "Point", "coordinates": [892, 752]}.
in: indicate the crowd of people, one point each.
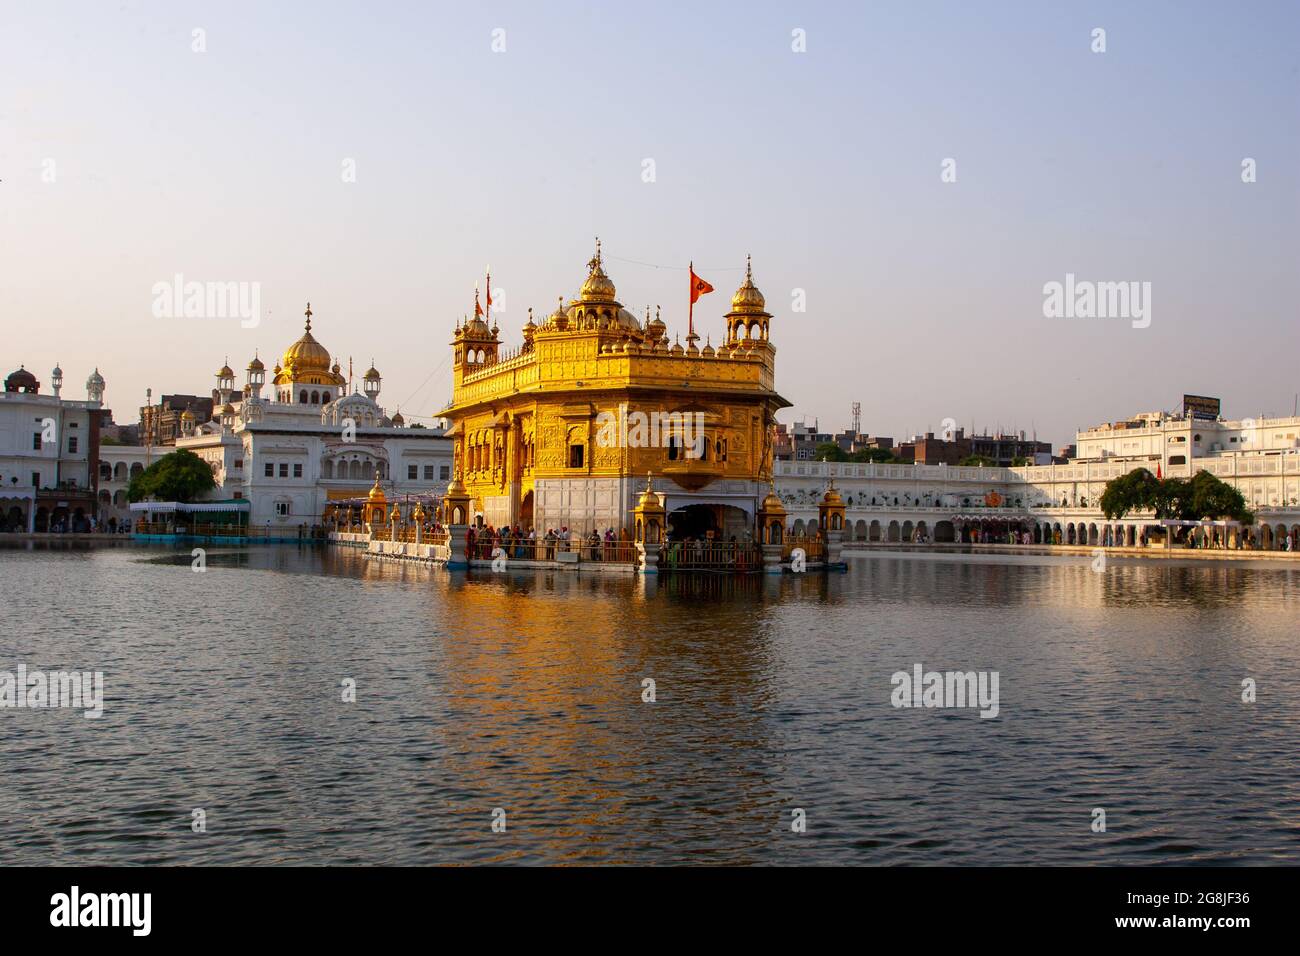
{"type": "Point", "coordinates": [64, 524]}
{"type": "Point", "coordinates": [514, 542]}
{"type": "Point", "coordinates": [710, 550]}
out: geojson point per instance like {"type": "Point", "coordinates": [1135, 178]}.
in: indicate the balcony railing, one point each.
{"type": "Point", "coordinates": [736, 556]}
{"type": "Point", "coordinates": [485, 548]}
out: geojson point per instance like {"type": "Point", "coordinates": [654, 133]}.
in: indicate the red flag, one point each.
{"type": "Point", "coordinates": [1158, 474]}
{"type": "Point", "coordinates": [478, 309]}
{"type": "Point", "coordinates": [698, 288]}
{"type": "Point", "coordinates": [489, 292]}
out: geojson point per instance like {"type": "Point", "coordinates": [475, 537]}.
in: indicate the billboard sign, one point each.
{"type": "Point", "coordinates": [1199, 406]}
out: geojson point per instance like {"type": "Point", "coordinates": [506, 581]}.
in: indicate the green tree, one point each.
{"type": "Point", "coordinates": [872, 454]}
{"type": "Point", "coordinates": [829, 451]}
{"type": "Point", "coordinates": [972, 460]}
{"type": "Point", "coordinates": [1019, 461]}
{"type": "Point", "coordinates": [180, 476]}
{"type": "Point", "coordinates": [1205, 496]}
{"type": "Point", "coordinates": [1135, 491]}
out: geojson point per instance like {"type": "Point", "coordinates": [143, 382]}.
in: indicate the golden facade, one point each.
{"type": "Point", "coordinates": [563, 431]}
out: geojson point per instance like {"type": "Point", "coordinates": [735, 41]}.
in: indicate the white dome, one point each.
{"type": "Point", "coordinates": [360, 408]}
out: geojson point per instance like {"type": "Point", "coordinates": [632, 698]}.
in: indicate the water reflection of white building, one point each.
{"type": "Point", "coordinates": [896, 502]}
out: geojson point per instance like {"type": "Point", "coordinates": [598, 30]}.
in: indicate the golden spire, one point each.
{"type": "Point", "coordinates": [308, 314]}
{"type": "Point", "coordinates": [747, 297]}
{"type": "Point", "coordinates": [598, 287]}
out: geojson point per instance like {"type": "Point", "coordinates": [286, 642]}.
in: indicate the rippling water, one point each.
{"type": "Point", "coordinates": [1119, 690]}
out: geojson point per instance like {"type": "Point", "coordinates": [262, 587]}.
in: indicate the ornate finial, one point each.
{"type": "Point", "coordinates": [648, 486]}
{"type": "Point", "coordinates": [748, 263]}
{"type": "Point", "coordinates": [656, 313]}
{"type": "Point", "coordinates": [308, 314]}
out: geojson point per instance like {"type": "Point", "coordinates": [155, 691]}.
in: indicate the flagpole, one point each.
{"type": "Point", "coordinates": [690, 329]}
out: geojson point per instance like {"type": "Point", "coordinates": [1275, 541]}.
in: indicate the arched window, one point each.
{"type": "Point", "coordinates": [315, 398]}
{"type": "Point", "coordinates": [302, 397]}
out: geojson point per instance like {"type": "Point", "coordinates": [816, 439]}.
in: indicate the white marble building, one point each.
{"type": "Point", "coordinates": [893, 502]}
{"type": "Point", "coordinates": [311, 442]}
{"type": "Point", "coordinates": [48, 446]}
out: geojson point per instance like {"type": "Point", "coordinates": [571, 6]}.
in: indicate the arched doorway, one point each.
{"type": "Point", "coordinates": [716, 521]}
{"type": "Point", "coordinates": [694, 521]}
{"type": "Point", "coordinates": [526, 512]}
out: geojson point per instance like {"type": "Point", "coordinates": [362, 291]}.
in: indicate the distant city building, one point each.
{"type": "Point", "coordinates": [160, 424]}
{"type": "Point", "coordinates": [110, 432]}
{"type": "Point", "coordinates": [48, 451]}
{"type": "Point", "coordinates": [1004, 450]}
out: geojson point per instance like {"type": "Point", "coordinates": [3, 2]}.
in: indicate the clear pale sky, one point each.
{"type": "Point", "coordinates": [924, 298]}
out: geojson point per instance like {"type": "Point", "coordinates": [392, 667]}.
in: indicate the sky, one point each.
{"type": "Point", "coordinates": [374, 158]}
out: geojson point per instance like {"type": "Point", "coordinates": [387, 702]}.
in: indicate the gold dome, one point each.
{"type": "Point", "coordinates": [456, 486]}
{"type": "Point", "coordinates": [559, 318]}
{"type": "Point", "coordinates": [598, 287]}
{"type": "Point", "coordinates": [772, 502]}
{"type": "Point", "coordinates": [225, 371]}
{"type": "Point", "coordinates": [227, 409]}
{"type": "Point", "coordinates": [649, 498]}
{"type": "Point", "coordinates": [832, 497]}
{"type": "Point", "coordinates": [376, 495]}
{"type": "Point", "coordinates": [256, 365]}
{"type": "Point", "coordinates": [397, 420]}
{"type": "Point", "coordinates": [187, 415]}
{"type": "Point", "coordinates": [307, 354]}
{"type": "Point", "coordinates": [372, 373]}
{"type": "Point", "coordinates": [747, 297]}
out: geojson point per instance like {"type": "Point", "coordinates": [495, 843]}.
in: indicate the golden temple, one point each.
{"type": "Point", "coordinates": [562, 432]}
